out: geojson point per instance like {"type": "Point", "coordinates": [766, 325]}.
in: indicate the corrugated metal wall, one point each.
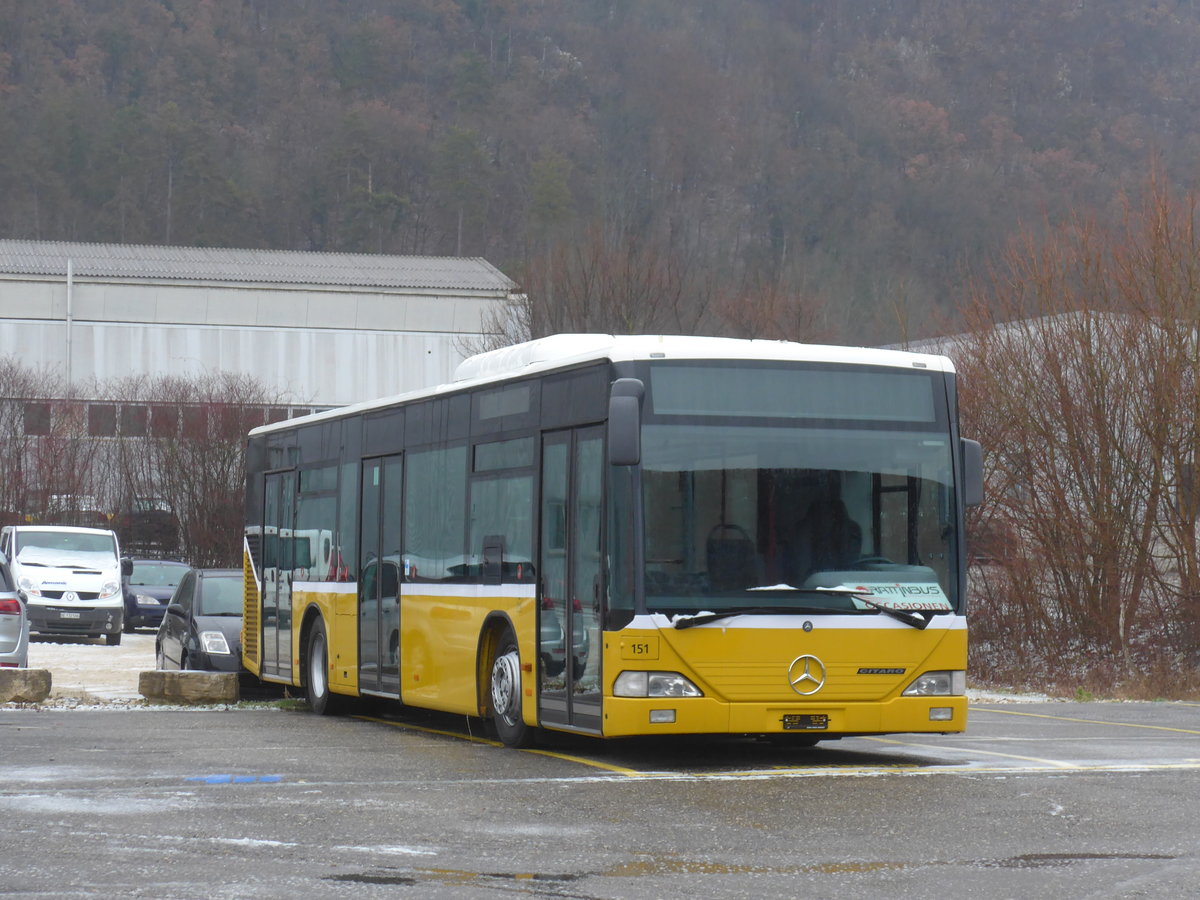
{"type": "Point", "coordinates": [320, 347]}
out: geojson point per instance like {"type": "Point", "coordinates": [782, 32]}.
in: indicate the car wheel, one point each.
{"type": "Point", "coordinates": [504, 694]}
{"type": "Point", "coordinates": [128, 626]}
{"type": "Point", "coordinates": [183, 660]}
{"type": "Point", "coordinates": [160, 660]}
{"type": "Point", "coordinates": [112, 638]}
{"type": "Point", "coordinates": [316, 673]}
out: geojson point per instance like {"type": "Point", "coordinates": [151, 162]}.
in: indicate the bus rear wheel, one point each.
{"type": "Point", "coordinates": [316, 675]}
{"type": "Point", "coordinates": [504, 694]}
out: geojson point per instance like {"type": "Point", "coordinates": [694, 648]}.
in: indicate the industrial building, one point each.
{"type": "Point", "coordinates": [321, 329]}
{"type": "Point", "coordinates": [91, 334]}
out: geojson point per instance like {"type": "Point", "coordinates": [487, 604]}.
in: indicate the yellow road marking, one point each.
{"type": "Point", "coordinates": [581, 760]}
{"type": "Point", "coordinates": [975, 751]}
{"type": "Point", "coordinates": [595, 763]}
{"type": "Point", "coordinates": [1009, 712]}
{"type": "Point", "coordinates": [409, 726]}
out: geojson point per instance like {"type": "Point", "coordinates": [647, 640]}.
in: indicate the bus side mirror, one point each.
{"type": "Point", "coordinates": [625, 422]}
{"type": "Point", "coordinates": [972, 457]}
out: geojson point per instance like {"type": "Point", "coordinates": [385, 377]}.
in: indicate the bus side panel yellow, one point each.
{"type": "Point", "coordinates": [339, 609]}
{"type": "Point", "coordinates": [439, 643]}
{"type": "Point", "coordinates": [343, 644]}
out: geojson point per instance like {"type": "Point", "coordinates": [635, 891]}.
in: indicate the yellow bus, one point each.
{"type": "Point", "coordinates": [617, 536]}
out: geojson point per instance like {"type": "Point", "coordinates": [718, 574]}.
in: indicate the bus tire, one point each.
{"type": "Point", "coordinates": [316, 672]}
{"type": "Point", "coordinates": [504, 694]}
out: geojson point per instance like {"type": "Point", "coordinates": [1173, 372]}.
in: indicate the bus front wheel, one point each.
{"type": "Point", "coordinates": [504, 694]}
{"type": "Point", "coordinates": [316, 681]}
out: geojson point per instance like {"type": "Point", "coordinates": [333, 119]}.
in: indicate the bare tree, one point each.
{"type": "Point", "coordinates": [193, 456]}
{"type": "Point", "coordinates": [18, 385]}
{"type": "Point", "coordinates": [44, 444]}
{"type": "Point", "coordinates": [612, 284]}
{"type": "Point", "coordinates": [1079, 375]}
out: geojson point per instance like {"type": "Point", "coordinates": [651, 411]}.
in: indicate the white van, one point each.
{"type": "Point", "coordinates": [70, 578]}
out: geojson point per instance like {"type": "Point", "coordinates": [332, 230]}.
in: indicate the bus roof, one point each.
{"type": "Point", "coordinates": [563, 350]}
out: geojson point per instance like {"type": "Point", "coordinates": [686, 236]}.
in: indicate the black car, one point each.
{"type": "Point", "coordinates": [202, 628]}
{"type": "Point", "coordinates": [148, 590]}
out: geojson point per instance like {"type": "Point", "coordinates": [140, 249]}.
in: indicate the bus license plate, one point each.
{"type": "Point", "coordinates": [814, 722]}
{"type": "Point", "coordinates": [68, 615]}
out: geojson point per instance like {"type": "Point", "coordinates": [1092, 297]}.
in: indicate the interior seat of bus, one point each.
{"type": "Point", "coordinates": [826, 538]}
{"type": "Point", "coordinates": [731, 558]}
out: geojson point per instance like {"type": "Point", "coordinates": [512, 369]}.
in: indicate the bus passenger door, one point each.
{"type": "Point", "coordinates": [571, 590]}
{"type": "Point", "coordinates": [379, 580]}
{"type": "Point", "coordinates": [278, 523]}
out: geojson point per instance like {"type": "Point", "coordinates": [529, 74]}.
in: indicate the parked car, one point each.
{"type": "Point", "coordinates": [14, 623]}
{"type": "Point", "coordinates": [148, 526]}
{"type": "Point", "coordinates": [70, 578]}
{"type": "Point", "coordinates": [148, 590]}
{"type": "Point", "coordinates": [202, 627]}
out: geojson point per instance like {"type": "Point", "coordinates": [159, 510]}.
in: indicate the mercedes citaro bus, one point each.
{"type": "Point", "coordinates": [618, 536]}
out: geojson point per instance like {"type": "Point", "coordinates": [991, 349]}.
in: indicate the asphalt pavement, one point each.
{"type": "Point", "coordinates": [1035, 799]}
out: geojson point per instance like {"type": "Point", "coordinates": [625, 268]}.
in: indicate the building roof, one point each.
{"type": "Point", "coordinates": [135, 261]}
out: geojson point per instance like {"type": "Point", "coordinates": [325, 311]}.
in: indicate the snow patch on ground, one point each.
{"type": "Point", "coordinates": [974, 696]}
{"type": "Point", "coordinates": [87, 674]}
{"type": "Point", "coordinates": [87, 670]}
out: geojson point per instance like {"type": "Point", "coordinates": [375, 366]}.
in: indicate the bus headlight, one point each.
{"type": "Point", "coordinates": [109, 588]}
{"type": "Point", "coordinates": [938, 684]}
{"type": "Point", "coordinates": [654, 684]}
{"type": "Point", "coordinates": [214, 642]}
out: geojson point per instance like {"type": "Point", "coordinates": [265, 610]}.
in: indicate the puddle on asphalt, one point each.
{"type": "Point", "coordinates": [673, 865]}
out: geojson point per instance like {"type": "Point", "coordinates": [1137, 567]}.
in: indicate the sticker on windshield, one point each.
{"type": "Point", "coordinates": [912, 595]}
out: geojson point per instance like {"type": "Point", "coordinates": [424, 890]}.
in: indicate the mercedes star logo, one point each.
{"type": "Point", "coordinates": [806, 675]}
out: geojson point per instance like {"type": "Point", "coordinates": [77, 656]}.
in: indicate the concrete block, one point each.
{"type": "Point", "coordinates": [24, 685]}
{"type": "Point", "coordinates": [189, 687]}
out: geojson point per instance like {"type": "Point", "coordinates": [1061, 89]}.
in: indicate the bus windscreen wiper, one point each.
{"type": "Point", "coordinates": [907, 616]}
{"type": "Point", "coordinates": [917, 619]}
{"type": "Point", "coordinates": [702, 618]}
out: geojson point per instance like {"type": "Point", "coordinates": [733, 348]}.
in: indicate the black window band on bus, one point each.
{"type": "Point", "coordinates": [431, 422]}
{"type": "Point", "coordinates": [383, 432]}
{"type": "Point", "coordinates": [516, 453]}
{"type": "Point", "coordinates": [575, 398]}
{"type": "Point", "coordinates": [510, 408]}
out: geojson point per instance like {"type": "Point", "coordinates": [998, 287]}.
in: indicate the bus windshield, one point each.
{"type": "Point", "coordinates": [743, 516]}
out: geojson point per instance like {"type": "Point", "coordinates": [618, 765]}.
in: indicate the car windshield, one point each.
{"type": "Point", "coordinates": [746, 516]}
{"type": "Point", "coordinates": [220, 595]}
{"type": "Point", "coordinates": [65, 541]}
{"type": "Point", "coordinates": [157, 574]}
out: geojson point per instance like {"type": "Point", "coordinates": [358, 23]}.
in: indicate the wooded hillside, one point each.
{"type": "Point", "coordinates": [785, 169]}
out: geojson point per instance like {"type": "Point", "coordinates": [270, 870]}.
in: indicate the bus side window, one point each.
{"type": "Point", "coordinates": [501, 543]}
{"type": "Point", "coordinates": [436, 483]}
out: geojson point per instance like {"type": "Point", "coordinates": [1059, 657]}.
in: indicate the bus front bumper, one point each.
{"type": "Point", "coordinates": [626, 717]}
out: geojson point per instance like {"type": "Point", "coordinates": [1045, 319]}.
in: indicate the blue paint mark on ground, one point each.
{"type": "Point", "coordinates": [237, 779]}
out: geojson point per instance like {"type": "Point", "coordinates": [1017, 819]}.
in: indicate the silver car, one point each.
{"type": "Point", "coordinates": [14, 623]}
